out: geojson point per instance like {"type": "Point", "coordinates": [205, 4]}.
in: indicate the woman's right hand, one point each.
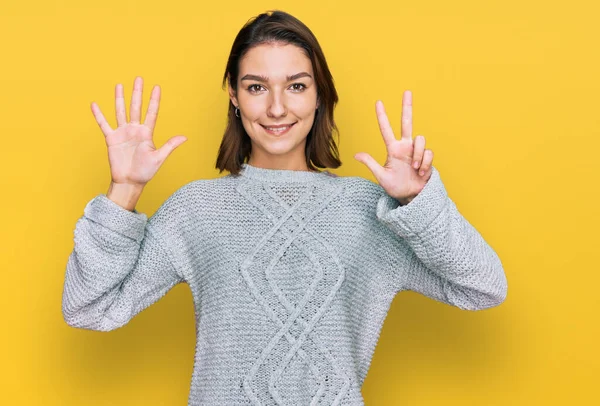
{"type": "Point", "coordinates": [132, 156]}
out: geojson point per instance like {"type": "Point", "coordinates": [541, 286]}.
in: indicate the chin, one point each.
{"type": "Point", "coordinates": [279, 149]}
{"type": "Point", "coordinates": [274, 146]}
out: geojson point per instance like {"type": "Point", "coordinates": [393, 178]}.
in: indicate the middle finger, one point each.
{"type": "Point", "coordinates": [136, 100]}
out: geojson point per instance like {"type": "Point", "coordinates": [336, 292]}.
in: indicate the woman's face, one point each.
{"type": "Point", "coordinates": [277, 98]}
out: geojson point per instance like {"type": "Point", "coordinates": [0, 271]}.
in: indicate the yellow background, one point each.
{"type": "Point", "coordinates": [505, 92]}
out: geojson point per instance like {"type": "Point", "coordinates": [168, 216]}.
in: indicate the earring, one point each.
{"type": "Point", "coordinates": [237, 112]}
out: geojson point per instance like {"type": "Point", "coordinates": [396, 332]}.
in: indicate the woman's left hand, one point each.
{"type": "Point", "coordinates": [408, 165]}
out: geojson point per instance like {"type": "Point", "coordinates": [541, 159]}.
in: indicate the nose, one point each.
{"type": "Point", "coordinates": [276, 106]}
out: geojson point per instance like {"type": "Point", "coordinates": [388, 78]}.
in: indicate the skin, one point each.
{"type": "Point", "coordinates": [132, 155]}
{"type": "Point", "coordinates": [275, 99]}
{"type": "Point", "coordinates": [408, 165]}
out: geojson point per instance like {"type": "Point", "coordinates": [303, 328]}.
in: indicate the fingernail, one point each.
{"type": "Point", "coordinates": [422, 173]}
{"type": "Point", "coordinates": [416, 164]}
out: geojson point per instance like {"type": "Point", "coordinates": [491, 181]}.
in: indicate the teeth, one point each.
{"type": "Point", "coordinates": [278, 129]}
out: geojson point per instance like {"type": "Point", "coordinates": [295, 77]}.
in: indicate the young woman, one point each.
{"type": "Point", "coordinates": [292, 269]}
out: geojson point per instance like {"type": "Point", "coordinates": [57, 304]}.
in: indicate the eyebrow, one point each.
{"type": "Point", "coordinates": [265, 79]}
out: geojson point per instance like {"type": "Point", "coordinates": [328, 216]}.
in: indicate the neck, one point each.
{"type": "Point", "coordinates": [282, 175]}
{"type": "Point", "coordinates": [294, 160]}
{"type": "Point", "coordinates": [284, 165]}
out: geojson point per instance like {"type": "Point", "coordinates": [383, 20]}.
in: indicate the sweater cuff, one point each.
{"type": "Point", "coordinates": [417, 215]}
{"type": "Point", "coordinates": [109, 214]}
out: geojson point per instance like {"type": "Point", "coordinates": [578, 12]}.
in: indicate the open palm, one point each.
{"type": "Point", "coordinates": [408, 164]}
{"type": "Point", "coordinates": [132, 156]}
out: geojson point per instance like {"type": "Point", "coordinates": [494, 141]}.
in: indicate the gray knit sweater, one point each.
{"type": "Point", "coordinates": [292, 274]}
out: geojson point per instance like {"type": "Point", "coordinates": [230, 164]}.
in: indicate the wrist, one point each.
{"type": "Point", "coordinates": [125, 195]}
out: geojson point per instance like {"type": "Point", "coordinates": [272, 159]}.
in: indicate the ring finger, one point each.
{"type": "Point", "coordinates": [419, 149]}
{"type": "Point", "coordinates": [120, 106]}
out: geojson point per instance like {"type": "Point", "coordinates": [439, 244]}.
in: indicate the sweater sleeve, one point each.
{"type": "Point", "coordinates": [448, 259]}
{"type": "Point", "coordinates": [118, 267]}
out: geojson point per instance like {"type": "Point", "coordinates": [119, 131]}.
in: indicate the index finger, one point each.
{"type": "Point", "coordinates": [384, 124]}
{"type": "Point", "coordinates": [152, 112]}
{"type": "Point", "coordinates": [407, 115]}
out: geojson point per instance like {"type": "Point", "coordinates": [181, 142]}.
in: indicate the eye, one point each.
{"type": "Point", "coordinates": [254, 88]}
{"type": "Point", "coordinates": [299, 87]}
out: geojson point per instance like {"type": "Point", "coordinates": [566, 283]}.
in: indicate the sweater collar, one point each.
{"type": "Point", "coordinates": [282, 175]}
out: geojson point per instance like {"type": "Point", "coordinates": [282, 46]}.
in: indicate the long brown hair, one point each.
{"type": "Point", "coordinates": [280, 27]}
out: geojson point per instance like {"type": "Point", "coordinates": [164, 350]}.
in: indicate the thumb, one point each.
{"type": "Point", "coordinates": [169, 146]}
{"type": "Point", "coordinates": [371, 164]}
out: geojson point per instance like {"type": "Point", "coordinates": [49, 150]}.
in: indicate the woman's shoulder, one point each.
{"type": "Point", "coordinates": [204, 186]}
{"type": "Point", "coordinates": [195, 195]}
{"type": "Point", "coordinates": [362, 187]}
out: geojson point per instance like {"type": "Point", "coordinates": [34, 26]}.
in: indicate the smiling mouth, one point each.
{"type": "Point", "coordinates": [278, 130]}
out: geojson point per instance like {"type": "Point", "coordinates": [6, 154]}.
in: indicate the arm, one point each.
{"type": "Point", "coordinates": [449, 260]}
{"type": "Point", "coordinates": [117, 268]}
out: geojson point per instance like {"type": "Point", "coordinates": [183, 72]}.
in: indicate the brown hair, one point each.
{"type": "Point", "coordinates": [281, 27]}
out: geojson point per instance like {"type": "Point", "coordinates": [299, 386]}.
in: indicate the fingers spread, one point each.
{"type": "Point", "coordinates": [152, 112]}
{"type": "Point", "coordinates": [384, 124]}
{"type": "Point", "coordinates": [407, 125]}
{"type": "Point", "coordinates": [104, 126]}
{"type": "Point", "coordinates": [136, 100]}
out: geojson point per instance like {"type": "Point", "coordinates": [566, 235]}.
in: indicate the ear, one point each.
{"type": "Point", "coordinates": [232, 93]}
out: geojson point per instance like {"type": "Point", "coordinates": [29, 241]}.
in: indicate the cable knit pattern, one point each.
{"type": "Point", "coordinates": [292, 275]}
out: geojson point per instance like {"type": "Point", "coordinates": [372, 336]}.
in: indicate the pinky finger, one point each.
{"type": "Point", "coordinates": [427, 161]}
{"type": "Point", "coordinates": [104, 126]}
